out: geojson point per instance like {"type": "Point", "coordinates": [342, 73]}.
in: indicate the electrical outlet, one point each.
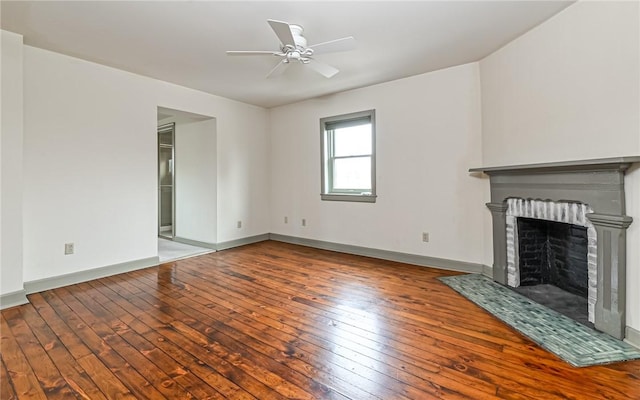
{"type": "Point", "coordinates": [304, 222]}
{"type": "Point", "coordinates": [69, 248]}
{"type": "Point", "coordinates": [239, 225]}
{"type": "Point", "coordinates": [425, 236]}
{"type": "Point", "coordinates": [286, 220]}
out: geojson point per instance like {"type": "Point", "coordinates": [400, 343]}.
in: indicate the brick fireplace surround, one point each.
{"type": "Point", "coordinates": [599, 184]}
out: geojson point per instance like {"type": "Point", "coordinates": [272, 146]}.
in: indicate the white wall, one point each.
{"type": "Point", "coordinates": [196, 194]}
{"type": "Point", "coordinates": [243, 175]}
{"type": "Point", "coordinates": [90, 163]}
{"type": "Point", "coordinates": [567, 90]}
{"type": "Point", "coordinates": [242, 159]}
{"type": "Point", "coordinates": [89, 166]}
{"type": "Point", "coordinates": [428, 135]}
{"type": "Point", "coordinates": [11, 174]}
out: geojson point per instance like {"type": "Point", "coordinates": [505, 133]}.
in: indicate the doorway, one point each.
{"type": "Point", "coordinates": [166, 181]}
{"type": "Point", "coordinates": [186, 183]}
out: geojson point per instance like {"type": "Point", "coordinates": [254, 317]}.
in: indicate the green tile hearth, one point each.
{"type": "Point", "coordinates": [573, 342]}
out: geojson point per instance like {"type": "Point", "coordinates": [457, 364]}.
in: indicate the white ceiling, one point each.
{"type": "Point", "coordinates": [184, 42]}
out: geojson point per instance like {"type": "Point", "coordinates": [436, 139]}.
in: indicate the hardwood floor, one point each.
{"type": "Point", "coordinates": [275, 321]}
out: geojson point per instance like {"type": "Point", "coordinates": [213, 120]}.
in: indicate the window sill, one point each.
{"type": "Point", "coordinates": [361, 198]}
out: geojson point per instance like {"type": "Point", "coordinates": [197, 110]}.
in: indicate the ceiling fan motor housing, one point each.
{"type": "Point", "coordinates": [300, 53]}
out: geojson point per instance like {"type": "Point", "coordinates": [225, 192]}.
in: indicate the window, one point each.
{"type": "Point", "coordinates": [349, 157]}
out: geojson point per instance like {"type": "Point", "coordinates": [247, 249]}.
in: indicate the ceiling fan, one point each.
{"type": "Point", "coordinates": [293, 47]}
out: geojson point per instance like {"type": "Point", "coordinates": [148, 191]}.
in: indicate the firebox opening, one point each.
{"type": "Point", "coordinates": [553, 266]}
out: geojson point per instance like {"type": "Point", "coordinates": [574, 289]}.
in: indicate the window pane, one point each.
{"type": "Point", "coordinates": [352, 141]}
{"type": "Point", "coordinates": [352, 173]}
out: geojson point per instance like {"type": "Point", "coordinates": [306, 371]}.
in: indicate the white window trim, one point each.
{"type": "Point", "coordinates": [345, 196]}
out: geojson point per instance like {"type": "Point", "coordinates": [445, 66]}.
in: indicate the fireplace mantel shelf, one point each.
{"type": "Point", "coordinates": [614, 163]}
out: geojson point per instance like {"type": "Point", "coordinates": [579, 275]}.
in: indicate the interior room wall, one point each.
{"type": "Point", "coordinates": [428, 135]}
{"type": "Point", "coordinates": [243, 173]}
{"type": "Point", "coordinates": [568, 90]}
{"type": "Point", "coordinates": [11, 171]}
{"type": "Point", "coordinates": [195, 185]}
{"type": "Point", "coordinates": [90, 163]}
{"type": "Point", "coordinates": [242, 162]}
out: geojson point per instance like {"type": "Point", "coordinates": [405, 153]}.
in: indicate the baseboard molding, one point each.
{"type": "Point", "coordinates": [96, 273]}
{"type": "Point", "coordinates": [17, 298]}
{"type": "Point", "coordinates": [84, 276]}
{"type": "Point", "coordinates": [242, 242]}
{"type": "Point", "coordinates": [426, 261]}
{"type": "Point", "coordinates": [487, 271]}
{"type": "Point", "coordinates": [197, 243]}
{"type": "Point", "coordinates": [632, 336]}
{"type": "Point", "coordinates": [13, 299]}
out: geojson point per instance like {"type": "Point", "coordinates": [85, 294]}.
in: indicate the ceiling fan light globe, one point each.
{"type": "Point", "coordinates": [293, 55]}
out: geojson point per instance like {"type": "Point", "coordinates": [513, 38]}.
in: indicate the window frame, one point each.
{"type": "Point", "coordinates": [327, 192]}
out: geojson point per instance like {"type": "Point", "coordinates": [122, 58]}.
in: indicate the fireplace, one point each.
{"type": "Point", "coordinates": [553, 253]}
{"type": "Point", "coordinates": [588, 194]}
{"type": "Point", "coordinates": [553, 245]}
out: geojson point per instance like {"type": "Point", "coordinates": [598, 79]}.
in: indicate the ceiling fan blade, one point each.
{"type": "Point", "coordinates": [323, 69]}
{"type": "Point", "coordinates": [250, 53]}
{"type": "Point", "coordinates": [344, 44]}
{"type": "Point", "coordinates": [278, 69]}
{"type": "Point", "coordinates": [283, 31]}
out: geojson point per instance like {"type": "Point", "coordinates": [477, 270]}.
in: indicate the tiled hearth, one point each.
{"type": "Point", "coordinates": [574, 343]}
{"type": "Point", "coordinates": [596, 188]}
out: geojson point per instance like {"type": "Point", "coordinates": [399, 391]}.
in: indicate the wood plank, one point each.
{"type": "Point", "coordinates": [70, 371]}
{"type": "Point", "coordinates": [109, 383]}
{"type": "Point", "coordinates": [137, 334]}
{"type": "Point", "coordinates": [19, 370]}
{"type": "Point", "coordinates": [6, 389]}
{"type": "Point", "coordinates": [218, 373]}
{"type": "Point", "coordinates": [94, 314]}
{"type": "Point", "coordinates": [231, 337]}
{"type": "Point", "coordinates": [146, 367]}
{"type": "Point", "coordinates": [50, 379]}
{"type": "Point", "coordinates": [67, 307]}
